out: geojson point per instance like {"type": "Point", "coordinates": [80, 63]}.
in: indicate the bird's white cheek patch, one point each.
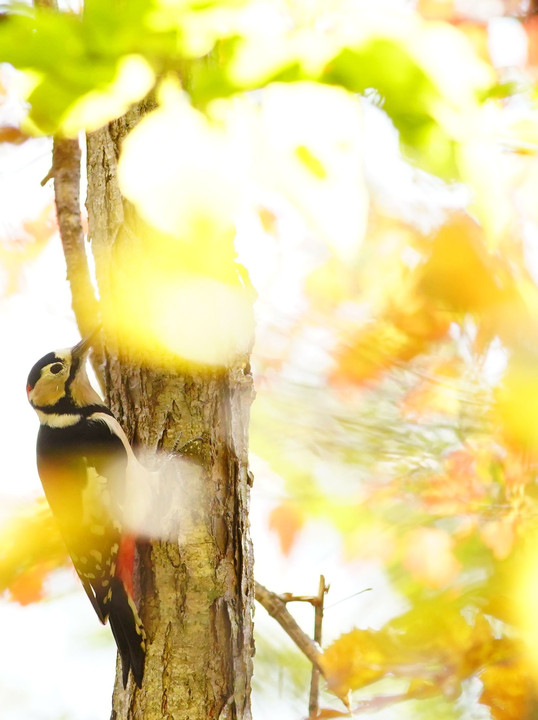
{"type": "Point", "coordinates": [47, 391]}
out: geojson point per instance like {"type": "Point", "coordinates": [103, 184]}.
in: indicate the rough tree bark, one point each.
{"type": "Point", "coordinates": [195, 594]}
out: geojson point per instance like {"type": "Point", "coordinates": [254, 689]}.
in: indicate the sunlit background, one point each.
{"type": "Point", "coordinates": [385, 223]}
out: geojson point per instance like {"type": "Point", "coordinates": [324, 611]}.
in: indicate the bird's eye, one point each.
{"type": "Point", "coordinates": [56, 368]}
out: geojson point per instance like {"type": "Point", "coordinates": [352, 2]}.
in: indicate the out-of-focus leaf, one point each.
{"type": "Point", "coordinates": [517, 409]}
{"type": "Point", "coordinates": [404, 334]}
{"type": "Point", "coordinates": [432, 646]}
{"type": "Point", "coordinates": [508, 690]}
{"type": "Point", "coordinates": [531, 29]}
{"type": "Point", "coordinates": [12, 134]}
{"type": "Point", "coordinates": [28, 587]}
{"type": "Point", "coordinates": [356, 659]}
{"type": "Point", "coordinates": [459, 274]}
{"type": "Point", "coordinates": [17, 252]}
{"type": "Point", "coordinates": [326, 713]}
{"type": "Point", "coordinates": [92, 68]}
{"type": "Point", "coordinates": [407, 93]}
{"type": "Point", "coordinates": [30, 548]}
{"type": "Point", "coordinates": [463, 486]}
{"type": "Point", "coordinates": [287, 521]}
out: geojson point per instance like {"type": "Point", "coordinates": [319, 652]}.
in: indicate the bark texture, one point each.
{"type": "Point", "coordinates": [196, 593]}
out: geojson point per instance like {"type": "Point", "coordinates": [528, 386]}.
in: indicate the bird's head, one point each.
{"type": "Point", "coordinates": [58, 381]}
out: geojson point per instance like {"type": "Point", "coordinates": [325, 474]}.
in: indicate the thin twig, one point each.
{"type": "Point", "coordinates": [47, 177]}
{"type": "Point", "coordinates": [276, 608]}
{"type": "Point", "coordinates": [289, 597]}
{"type": "Point", "coordinates": [345, 599]}
{"type": "Point", "coordinates": [313, 702]}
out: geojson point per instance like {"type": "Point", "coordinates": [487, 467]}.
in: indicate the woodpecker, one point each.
{"type": "Point", "coordinates": [84, 460]}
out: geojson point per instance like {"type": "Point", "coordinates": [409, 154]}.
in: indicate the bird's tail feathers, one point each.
{"type": "Point", "coordinates": [128, 631]}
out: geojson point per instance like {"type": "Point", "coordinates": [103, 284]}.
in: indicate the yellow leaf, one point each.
{"type": "Point", "coordinates": [517, 404]}
{"type": "Point", "coordinates": [134, 79]}
{"type": "Point", "coordinates": [30, 548]}
{"type": "Point", "coordinates": [459, 274]}
{"type": "Point", "coordinates": [524, 592]}
{"type": "Point", "coordinates": [356, 659]}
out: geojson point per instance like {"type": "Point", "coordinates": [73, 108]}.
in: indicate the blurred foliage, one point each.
{"type": "Point", "coordinates": [115, 56]}
{"type": "Point", "coordinates": [31, 548]}
{"type": "Point", "coordinates": [22, 246]}
{"type": "Point", "coordinates": [396, 347]}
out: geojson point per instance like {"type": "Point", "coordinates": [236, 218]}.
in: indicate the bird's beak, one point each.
{"type": "Point", "coordinates": [81, 348]}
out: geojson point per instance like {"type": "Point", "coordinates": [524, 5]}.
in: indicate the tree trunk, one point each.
{"type": "Point", "coordinates": [195, 591]}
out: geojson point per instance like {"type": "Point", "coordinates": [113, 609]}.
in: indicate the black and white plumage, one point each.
{"type": "Point", "coordinates": [84, 460]}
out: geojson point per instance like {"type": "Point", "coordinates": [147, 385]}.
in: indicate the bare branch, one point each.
{"type": "Point", "coordinates": [66, 172]}
{"type": "Point", "coordinates": [276, 608]}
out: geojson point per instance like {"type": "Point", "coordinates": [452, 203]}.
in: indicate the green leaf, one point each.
{"type": "Point", "coordinates": [408, 96]}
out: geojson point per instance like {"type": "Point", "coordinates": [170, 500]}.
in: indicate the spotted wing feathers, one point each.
{"type": "Point", "coordinates": [82, 469]}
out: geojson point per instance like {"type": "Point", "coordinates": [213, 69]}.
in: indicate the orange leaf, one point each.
{"type": "Point", "coordinates": [460, 275]}
{"type": "Point", "coordinates": [507, 690]}
{"type": "Point", "coordinates": [12, 134]}
{"type": "Point", "coordinates": [28, 587]}
{"type": "Point", "coordinates": [465, 481]}
{"type": "Point", "coordinates": [287, 521]}
{"type": "Point", "coordinates": [531, 28]}
{"type": "Point", "coordinates": [399, 337]}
